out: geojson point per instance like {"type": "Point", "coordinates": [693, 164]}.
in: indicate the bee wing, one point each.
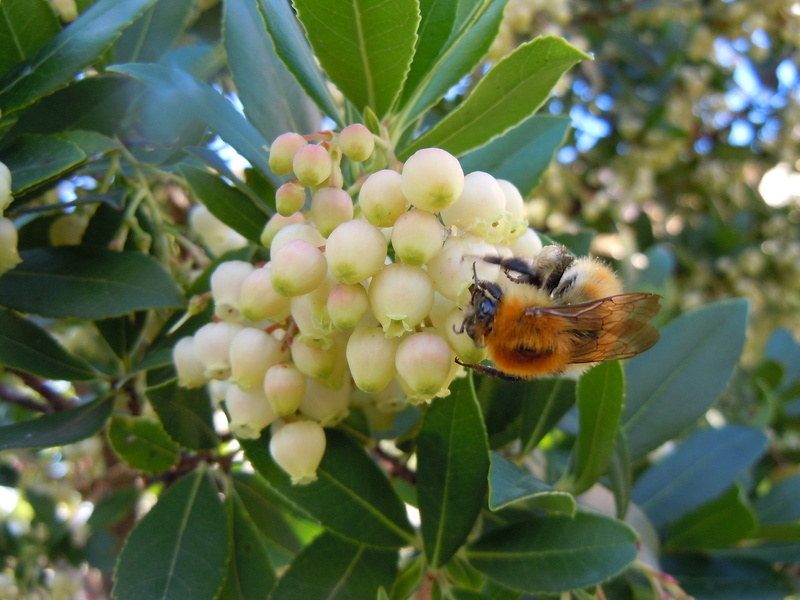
{"type": "Point", "coordinates": [610, 328]}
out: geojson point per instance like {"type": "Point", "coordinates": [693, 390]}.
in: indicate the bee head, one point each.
{"type": "Point", "coordinates": [480, 312]}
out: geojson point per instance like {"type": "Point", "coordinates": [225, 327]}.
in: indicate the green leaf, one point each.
{"type": "Point", "coordinates": [26, 346]}
{"type": "Point", "coordinates": [601, 397]}
{"type": "Point", "coordinates": [185, 414]}
{"type": "Point", "coordinates": [717, 524]}
{"type": "Point", "coordinates": [620, 475]}
{"type": "Point", "coordinates": [180, 547]}
{"type": "Point", "coordinates": [207, 105]}
{"type": "Point", "coordinates": [272, 99]}
{"type": "Point", "coordinates": [25, 25]}
{"type": "Point", "coordinates": [228, 204]}
{"type": "Point", "coordinates": [35, 159]}
{"type": "Point", "coordinates": [452, 465]}
{"type": "Point", "coordinates": [473, 33]}
{"type": "Point", "coordinates": [78, 45]}
{"type": "Point", "coordinates": [522, 154]}
{"type": "Point", "coordinates": [673, 384]}
{"type": "Point", "coordinates": [58, 428]}
{"type": "Point", "coordinates": [154, 32]}
{"type": "Point", "coordinates": [784, 349]}
{"type": "Point", "coordinates": [352, 496]}
{"type": "Point", "coordinates": [142, 443]}
{"type": "Point", "coordinates": [713, 578]}
{"type": "Point", "coordinates": [508, 94]}
{"type": "Point", "coordinates": [89, 283]}
{"type": "Point", "coordinates": [511, 485]}
{"type": "Point", "coordinates": [546, 401]}
{"type": "Point", "coordinates": [698, 471]}
{"type": "Point", "coordinates": [250, 571]}
{"type": "Point", "coordinates": [333, 568]}
{"type": "Point", "coordinates": [365, 46]}
{"type": "Point", "coordinates": [292, 47]}
{"type": "Point", "coordinates": [779, 504]}
{"type": "Point", "coordinates": [550, 555]}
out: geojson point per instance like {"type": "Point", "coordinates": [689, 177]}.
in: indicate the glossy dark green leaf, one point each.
{"type": "Point", "coordinates": [94, 145]}
{"type": "Point", "coordinates": [409, 578]}
{"type": "Point", "coordinates": [250, 571]}
{"type": "Point", "coordinates": [55, 64]}
{"type": "Point", "coordinates": [717, 524]}
{"type": "Point", "coordinates": [180, 547]}
{"type": "Point", "coordinates": [24, 345]}
{"type": "Point", "coordinates": [726, 579]}
{"type": "Point", "coordinates": [25, 26]}
{"type": "Point", "coordinates": [206, 104]}
{"type": "Point", "coordinates": [700, 469]}
{"type": "Point", "coordinates": [152, 34]}
{"type": "Point", "coordinates": [142, 443]}
{"type": "Point", "coordinates": [452, 465]}
{"type": "Point", "coordinates": [114, 507]}
{"type": "Point", "coordinates": [476, 26]}
{"type": "Point", "coordinates": [522, 154]}
{"type": "Point", "coordinates": [292, 47]}
{"type": "Point", "coordinates": [546, 401]}
{"type": "Point", "coordinates": [333, 568]}
{"type": "Point", "coordinates": [228, 204]}
{"type": "Point", "coordinates": [512, 90]}
{"type": "Point", "coordinates": [671, 385]}
{"type": "Point", "coordinates": [185, 414]}
{"type": "Point", "coordinates": [511, 485]}
{"type": "Point", "coordinates": [601, 397]}
{"type": "Point", "coordinates": [58, 428]}
{"type": "Point", "coordinates": [89, 283]}
{"type": "Point", "coordinates": [272, 99]}
{"type": "Point", "coordinates": [34, 159]}
{"type": "Point", "coordinates": [766, 552]}
{"type": "Point", "coordinates": [550, 555]}
{"type": "Point", "coordinates": [352, 496]}
{"type": "Point", "coordinates": [784, 349]}
{"type": "Point", "coordinates": [780, 504]}
{"type": "Point", "coordinates": [365, 46]}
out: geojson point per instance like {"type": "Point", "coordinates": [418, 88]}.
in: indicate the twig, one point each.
{"type": "Point", "coordinates": [13, 396]}
{"type": "Point", "coordinates": [55, 400]}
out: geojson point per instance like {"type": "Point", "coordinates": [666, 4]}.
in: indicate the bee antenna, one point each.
{"type": "Point", "coordinates": [475, 272]}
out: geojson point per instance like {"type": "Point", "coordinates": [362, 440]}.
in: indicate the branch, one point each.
{"type": "Point", "coordinates": [54, 400]}
{"type": "Point", "coordinates": [13, 396]}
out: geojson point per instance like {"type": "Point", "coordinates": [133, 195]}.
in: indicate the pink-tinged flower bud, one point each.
{"type": "Point", "coordinates": [249, 412]}
{"type": "Point", "coordinates": [212, 342]}
{"type": "Point", "coordinates": [463, 345]}
{"type": "Point", "coordinates": [252, 352]}
{"type": "Point", "coordinates": [451, 269]}
{"type": "Point", "coordinates": [310, 314]}
{"type": "Point", "coordinates": [312, 165]}
{"type": "Point", "coordinates": [325, 405]}
{"type": "Point", "coordinates": [381, 198]}
{"type": "Point", "coordinates": [347, 305]}
{"type": "Point", "coordinates": [9, 256]}
{"type": "Point", "coordinates": [297, 268]}
{"type": "Point", "coordinates": [527, 245]}
{"type": "Point", "coordinates": [226, 285]}
{"type": "Point", "coordinates": [283, 150]}
{"type": "Point", "coordinates": [297, 231]}
{"type": "Point", "coordinates": [424, 361]}
{"type": "Point", "coordinates": [480, 208]}
{"type": "Point", "coordinates": [400, 297]}
{"type": "Point", "coordinates": [417, 236]}
{"type": "Point", "coordinates": [432, 179]}
{"type": "Point", "coordinates": [290, 198]}
{"type": "Point", "coordinates": [355, 251]}
{"type": "Point", "coordinates": [330, 207]}
{"type": "Point", "coordinates": [298, 449]}
{"type": "Point", "coordinates": [258, 300]}
{"type": "Point", "coordinates": [325, 365]}
{"type": "Point", "coordinates": [276, 223]}
{"type": "Point", "coordinates": [190, 369]}
{"type": "Point", "coordinates": [370, 356]}
{"type": "Point", "coordinates": [356, 142]}
{"type": "Point", "coordinates": [285, 387]}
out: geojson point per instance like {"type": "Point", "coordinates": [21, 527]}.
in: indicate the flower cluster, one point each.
{"type": "Point", "coordinates": [360, 302]}
{"type": "Point", "coordinates": [9, 257]}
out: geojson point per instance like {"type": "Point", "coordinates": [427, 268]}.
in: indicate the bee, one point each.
{"type": "Point", "coordinates": [555, 314]}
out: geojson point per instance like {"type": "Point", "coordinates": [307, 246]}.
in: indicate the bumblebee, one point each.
{"type": "Point", "coordinates": [555, 314]}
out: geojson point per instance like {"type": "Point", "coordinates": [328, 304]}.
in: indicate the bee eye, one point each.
{"type": "Point", "coordinates": [487, 308]}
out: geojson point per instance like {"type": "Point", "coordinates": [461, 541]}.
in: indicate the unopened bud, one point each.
{"type": "Point", "coordinates": [190, 369]}
{"type": "Point", "coordinates": [400, 297]}
{"type": "Point", "coordinates": [424, 362]}
{"type": "Point", "coordinates": [290, 198]}
{"type": "Point", "coordinates": [298, 448]}
{"type": "Point", "coordinates": [417, 236]}
{"type": "Point", "coordinates": [381, 198]}
{"type": "Point", "coordinates": [528, 244]}
{"type": "Point", "coordinates": [212, 343]}
{"type": "Point", "coordinates": [355, 251]}
{"type": "Point", "coordinates": [463, 345]}
{"type": "Point", "coordinates": [432, 179]}
{"type": "Point", "coordinates": [9, 256]}
{"type": "Point", "coordinates": [250, 411]}
{"type": "Point", "coordinates": [282, 151]}
{"type": "Point", "coordinates": [252, 352]}
{"type": "Point", "coordinates": [297, 268]}
{"type": "Point", "coordinates": [284, 386]}
{"type": "Point", "coordinates": [347, 305]}
{"type": "Point", "coordinates": [67, 230]}
{"type": "Point", "coordinates": [370, 356]}
{"type": "Point", "coordinates": [276, 223]}
{"type": "Point", "coordinates": [297, 231]}
{"type": "Point", "coordinates": [325, 405]}
{"type": "Point", "coordinates": [258, 300]}
{"type": "Point", "coordinates": [480, 208]}
{"type": "Point", "coordinates": [5, 187]}
{"type": "Point", "coordinates": [312, 165]}
{"type": "Point", "coordinates": [356, 142]}
{"type": "Point", "coordinates": [226, 285]}
{"type": "Point", "coordinates": [330, 207]}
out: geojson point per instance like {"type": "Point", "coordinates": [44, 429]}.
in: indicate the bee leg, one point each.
{"type": "Point", "coordinates": [518, 265]}
{"type": "Point", "coordinates": [487, 370]}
